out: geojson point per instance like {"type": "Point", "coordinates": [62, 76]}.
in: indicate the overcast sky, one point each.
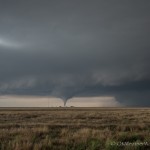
{"type": "Point", "coordinates": [74, 48]}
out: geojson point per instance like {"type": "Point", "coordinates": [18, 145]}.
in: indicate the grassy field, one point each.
{"type": "Point", "coordinates": [74, 128]}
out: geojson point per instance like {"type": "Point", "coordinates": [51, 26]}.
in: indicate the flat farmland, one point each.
{"type": "Point", "coordinates": [74, 128]}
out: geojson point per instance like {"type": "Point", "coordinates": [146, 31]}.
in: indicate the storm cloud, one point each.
{"type": "Point", "coordinates": [76, 48]}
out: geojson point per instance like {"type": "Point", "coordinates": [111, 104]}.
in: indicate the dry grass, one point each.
{"type": "Point", "coordinates": [73, 128]}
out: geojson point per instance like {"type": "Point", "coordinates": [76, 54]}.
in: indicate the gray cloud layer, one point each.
{"type": "Point", "coordinates": [76, 48]}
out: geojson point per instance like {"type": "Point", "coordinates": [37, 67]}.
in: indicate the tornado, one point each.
{"type": "Point", "coordinates": [64, 101]}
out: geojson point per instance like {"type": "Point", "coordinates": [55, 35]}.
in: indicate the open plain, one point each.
{"type": "Point", "coordinates": [74, 128]}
